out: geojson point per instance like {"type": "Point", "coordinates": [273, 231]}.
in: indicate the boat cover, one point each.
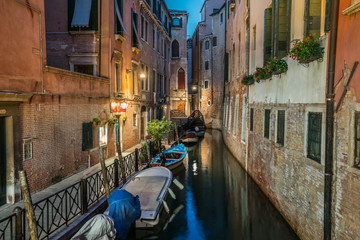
{"type": "Point", "coordinates": [124, 209]}
{"type": "Point", "coordinates": [100, 227]}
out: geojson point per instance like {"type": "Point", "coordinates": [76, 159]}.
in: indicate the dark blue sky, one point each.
{"type": "Point", "coordinates": [192, 7]}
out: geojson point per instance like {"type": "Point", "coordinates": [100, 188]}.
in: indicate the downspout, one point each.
{"type": "Point", "coordinates": [329, 140]}
{"type": "Point", "coordinates": [100, 38]}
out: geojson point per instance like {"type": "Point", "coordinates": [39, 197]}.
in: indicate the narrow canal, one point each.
{"type": "Point", "coordinates": [220, 201]}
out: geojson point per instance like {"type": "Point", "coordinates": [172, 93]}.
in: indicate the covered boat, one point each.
{"type": "Point", "coordinates": [170, 158]}
{"type": "Point", "coordinates": [189, 138]}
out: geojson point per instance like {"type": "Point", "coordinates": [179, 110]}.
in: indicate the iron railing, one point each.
{"type": "Point", "coordinates": [60, 209]}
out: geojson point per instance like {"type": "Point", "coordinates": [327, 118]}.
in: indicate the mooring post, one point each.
{"type": "Point", "coordinates": [121, 163]}
{"type": "Point", "coordinates": [104, 173]}
{"type": "Point", "coordinates": [116, 173]}
{"type": "Point", "coordinates": [136, 159]}
{"type": "Point", "coordinates": [18, 223]}
{"type": "Point", "coordinates": [83, 196]}
{"type": "Point", "coordinates": [30, 215]}
{"type": "Point", "coordinates": [177, 136]}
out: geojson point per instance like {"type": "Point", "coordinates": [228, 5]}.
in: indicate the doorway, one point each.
{"type": "Point", "coordinates": [2, 161]}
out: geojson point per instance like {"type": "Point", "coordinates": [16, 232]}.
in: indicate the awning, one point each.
{"type": "Point", "coordinates": [81, 15]}
{"type": "Point", "coordinates": [137, 35]}
{"type": "Point", "coordinates": [119, 17]}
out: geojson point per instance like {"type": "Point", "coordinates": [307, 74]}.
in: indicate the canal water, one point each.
{"type": "Point", "coordinates": [220, 201]}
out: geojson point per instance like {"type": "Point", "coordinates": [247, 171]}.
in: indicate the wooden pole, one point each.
{"type": "Point", "coordinates": [104, 173]}
{"type": "Point", "coordinates": [176, 131]}
{"type": "Point", "coordinates": [121, 163]}
{"type": "Point", "coordinates": [30, 215]}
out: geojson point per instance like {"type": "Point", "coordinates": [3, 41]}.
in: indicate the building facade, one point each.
{"type": "Point", "coordinates": [179, 97]}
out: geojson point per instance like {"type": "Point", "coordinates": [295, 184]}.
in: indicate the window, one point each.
{"type": "Point", "coordinates": [221, 18]}
{"type": "Point", "coordinates": [253, 50]}
{"type": "Point", "coordinates": [153, 38]}
{"type": "Point", "coordinates": [28, 148]}
{"type": "Point", "coordinates": [267, 124]}
{"type": "Point", "coordinates": [175, 49]}
{"type": "Point", "coordinates": [282, 20]}
{"type": "Point", "coordinates": [214, 41]}
{"type": "Point", "coordinates": [251, 119]}
{"type": "Point", "coordinates": [314, 136]}
{"type": "Point", "coordinates": [207, 45]}
{"type": "Point", "coordinates": [82, 16]}
{"type": "Point", "coordinates": [143, 80]}
{"type": "Point", "coordinates": [119, 24]}
{"type": "Point", "coordinates": [357, 140]}
{"type": "Point", "coordinates": [134, 120]}
{"type": "Point", "coordinates": [236, 115]}
{"type": "Point", "coordinates": [135, 41]}
{"type": "Point", "coordinates": [87, 136]}
{"type": "Point", "coordinates": [312, 17]}
{"type": "Point", "coordinates": [206, 84]}
{"type": "Point", "coordinates": [142, 27]}
{"type": "Point", "coordinates": [86, 69]}
{"type": "Point", "coordinates": [280, 133]}
{"type": "Point", "coordinates": [238, 57]}
{"type": "Point", "coordinates": [181, 79]}
{"type": "Point", "coordinates": [244, 118]}
{"type": "Point", "coordinates": [177, 22]}
{"type": "Point", "coordinates": [267, 34]}
{"type": "Point", "coordinates": [228, 9]}
{"type": "Point", "coordinates": [206, 65]}
{"type": "Point", "coordinates": [230, 111]}
{"type": "Point", "coordinates": [118, 77]}
{"type": "Point", "coordinates": [146, 31]}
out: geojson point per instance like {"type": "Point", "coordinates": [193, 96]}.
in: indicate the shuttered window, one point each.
{"type": "Point", "coordinates": [267, 34]}
{"type": "Point", "coordinates": [93, 21]}
{"type": "Point", "coordinates": [134, 27]}
{"type": "Point", "coordinates": [281, 27]}
{"type": "Point", "coordinates": [87, 136]}
{"type": "Point", "coordinates": [181, 79]}
{"type": "Point", "coordinates": [175, 49]}
{"type": "Point", "coordinates": [251, 119]}
{"type": "Point", "coordinates": [314, 136]}
{"type": "Point", "coordinates": [119, 28]}
{"type": "Point", "coordinates": [280, 134]}
{"type": "Point", "coordinates": [267, 124]}
{"type": "Point", "coordinates": [312, 17]}
{"type": "Point", "coordinates": [357, 140]}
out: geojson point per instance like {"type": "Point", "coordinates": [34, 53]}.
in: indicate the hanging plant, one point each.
{"type": "Point", "coordinates": [307, 50]}
{"type": "Point", "coordinates": [248, 80]}
{"type": "Point", "coordinates": [261, 73]}
{"type": "Point", "coordinates": [276, 66]}
{"type": "Point", "coordinates": [111, 121]}
{"type": "Point", "coordinates": [96, 121]}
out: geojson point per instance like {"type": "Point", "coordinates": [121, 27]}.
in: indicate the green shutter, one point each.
{"type": "Point", "coordinates": [281, 31]}
{"type": "Point", "coordinates": [267, 34]}
{"type": "Point", "coordinates": [312, 17]}
{"type": "Point", "coordinates": [328, 15]}
{"type": "Point", "coordinates": [93, 22]}
{"type": "Point", "coordinates": [71, 7]}
{"type": "Point", "coordinates": [87, 136]}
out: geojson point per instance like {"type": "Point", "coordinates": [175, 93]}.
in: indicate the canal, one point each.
{"type": "Point", "coordinates": [220, 201]}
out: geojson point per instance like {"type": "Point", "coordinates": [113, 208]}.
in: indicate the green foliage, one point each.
{"type": "Point", "coordinates": [96, 121]}
{"type": "Point", "coordinates": [248, 80]}
{"type": "Point", "coordinates": [111, 121]}
{"type": "Point", "coordinates": [261, 73]}
{"type": "Point", "coordinates": [308, 48]}
{"type": "Point", "coordinates": [143, 153]}
{"type": "Point", "coordinates": [276, 66]}
{"type": "Point", "coordinates": [157, 129]}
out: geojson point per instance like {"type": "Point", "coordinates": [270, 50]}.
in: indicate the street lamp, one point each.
{"type": "Point", "coordinates": [142, 75]}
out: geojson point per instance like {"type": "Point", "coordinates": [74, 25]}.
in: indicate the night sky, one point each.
{"type": "Point", "coordinates": [192, 7]}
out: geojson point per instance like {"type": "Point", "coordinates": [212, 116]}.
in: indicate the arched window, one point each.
{"type": "Point", "coordinates": [181, 79]}
{"type": "Point", "coordinates": [175, 49]}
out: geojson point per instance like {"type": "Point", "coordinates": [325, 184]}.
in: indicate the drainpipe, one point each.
{"type": "Point", "coordinates": [100, 38]}
{"type": "Point", "coordinates": [329, 142]}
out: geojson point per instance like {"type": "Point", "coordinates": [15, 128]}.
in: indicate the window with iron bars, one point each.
{"type": "Point", "coordinates": [314, 136]}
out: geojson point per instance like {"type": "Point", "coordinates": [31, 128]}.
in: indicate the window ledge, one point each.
{"type": "Point", "coordinates": [354, 8]}
{"type": "Point", "coordinates": [84, 32]}
{"type": "Point", "coordinates": [119, 38]}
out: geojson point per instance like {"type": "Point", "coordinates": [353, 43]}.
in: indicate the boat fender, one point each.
{"type": "Point", "coordinates": [166, 206]}
{"type": "Point", "coordinates": [172, 194]}
{"type": "Point", "coordinates": [178, 184]}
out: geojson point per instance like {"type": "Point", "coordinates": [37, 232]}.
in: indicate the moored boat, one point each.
{"type": "Point", "coordinates": [189, 138]}
{"type": "Point", "coordinates": [170, 158]}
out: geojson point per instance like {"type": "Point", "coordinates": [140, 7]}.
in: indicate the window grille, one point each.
{"type": "Point", "coordinates": [267, 124]}
{"type": "Point", "coordinates": [314, 136]}
{"type": "Point", "coordinates": [280, 139]}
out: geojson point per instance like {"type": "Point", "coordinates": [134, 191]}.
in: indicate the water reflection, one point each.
{"type": "Point", "coordinates": [221, 201]}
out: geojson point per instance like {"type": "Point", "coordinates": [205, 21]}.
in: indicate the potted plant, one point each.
{"type": "Point", "coordinates": [124, 119]}
{"type": "Point", "coordinates": [157, 129]}
{"type": "Point", "coordinates": [96, 121]}
{"type": "Point", "coordinates": [248, 80]}
{"type": "Point", "coordinates": [307, 50]}
{"type": "Point", "coordinates": [276, 66]}
{"type": "Point", "coordinates": [261, 73]}
{"type": "Point", "coordinates": [111, 121]}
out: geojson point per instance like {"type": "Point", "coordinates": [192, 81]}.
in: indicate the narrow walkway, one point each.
{"type": "Point", "coordinates": [7, 209]}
